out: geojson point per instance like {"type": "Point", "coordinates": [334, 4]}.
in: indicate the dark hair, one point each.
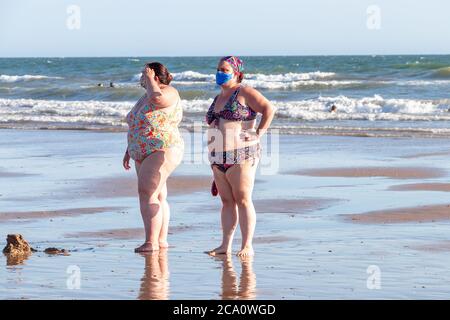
{"type": "Point", "coordinates": [240, 77]}
{"type": "Point", "coordinates": [161, 72]}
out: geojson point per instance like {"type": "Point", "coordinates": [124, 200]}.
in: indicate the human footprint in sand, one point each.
{"type": "Point", "coordinates": [156, 146]}
{"type": "Point", "coordinates": [234, 151]}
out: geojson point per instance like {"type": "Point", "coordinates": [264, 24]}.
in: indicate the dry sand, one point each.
{"type": "Point", "coordinates": [387, 172]}
{"type": "Point", "coordinates": [429, 213]}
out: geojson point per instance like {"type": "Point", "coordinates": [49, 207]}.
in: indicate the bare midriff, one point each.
{"type": "Point", "coordinates": [225, 135]}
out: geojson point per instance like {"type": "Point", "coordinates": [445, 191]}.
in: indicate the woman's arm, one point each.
{"type": "Point", "coordinates": [161, 98]}
{"type": "Point", "coordinates": [255, 100]}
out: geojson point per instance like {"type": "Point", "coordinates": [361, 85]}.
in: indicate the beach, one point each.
{"type": "Point", "coordinates": [333, 209]}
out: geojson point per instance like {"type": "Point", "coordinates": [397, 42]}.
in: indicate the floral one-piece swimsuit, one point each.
{"type": "Point", "coordinates": [151, 130]}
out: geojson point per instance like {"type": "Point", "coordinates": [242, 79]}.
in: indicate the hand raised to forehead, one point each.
{"type": "Point", "coordinates": [149, 72]}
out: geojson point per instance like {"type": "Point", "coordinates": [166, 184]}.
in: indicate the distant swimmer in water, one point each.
{"type": "Point", "coordinates": [100, 85]}
{"type": "Point", "coordinates": [333, 108]}
{"type": "Point", "coordinates": [111, 85]}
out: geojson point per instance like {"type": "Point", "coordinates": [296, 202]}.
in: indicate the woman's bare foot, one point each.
{"type": "Point", "coordinates": [163, 244]}
{"type": "Point", "coordinates": [147, 247]}
{"type": "Point", "coordinates": [246, 251]}
{"type": "Point", "coordinates": [219, 250]}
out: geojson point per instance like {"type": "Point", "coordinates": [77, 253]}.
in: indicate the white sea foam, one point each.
{"type": "Point", "coordinates": [367, 108]}
{"type": "Point", "coordinates": [286, 77]}
{"type": "Point", "coordinates": [265, 81]}
{"type": "Point", "coordinates": [305, 117]}
{"type": "Point", "coordinates": [26, 77]}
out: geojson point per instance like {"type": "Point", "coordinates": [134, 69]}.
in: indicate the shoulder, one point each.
{"type": "Point", "coordinates": [248, 92]}
{"type": "Point", "coordinates": [170, 93]}
{"type": "Point", "coordinates": [169, 90]}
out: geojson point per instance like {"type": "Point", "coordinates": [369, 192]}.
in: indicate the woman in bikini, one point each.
{"type": "Point", "coordinates": [234, 151]}
{"type": "Point", "coordinates": [156, 146]}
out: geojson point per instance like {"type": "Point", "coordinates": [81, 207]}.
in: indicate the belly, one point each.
{"type": "Point", "coordinates": [228, 135]}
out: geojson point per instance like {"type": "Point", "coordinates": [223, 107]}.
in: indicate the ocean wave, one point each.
{"type": "Point", "coordinates": [364, 131]}
{"type": "Point", "coordinates": [32, 107]}
{"type": "Point", "coordinates": [286, 77]}
{"type": "Point", "coordinates": [420, 82]}
{"type": "Point", "coordinates": [367, 108]}
{"type": "Point", "coordinates": [401, 117]}
{"type": "Point", "coordinates": [26, 77]}
{"type": "Point", "coordinates": [291, 76]}
{"type": "Point", "coordinates": [318, 109]}
{"type": "Point", "coordinates": [442, 73]}
{"type": "Point", "coordinates": [301, 84]}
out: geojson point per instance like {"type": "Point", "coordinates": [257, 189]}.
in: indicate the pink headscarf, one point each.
{"type": "Point", "coordinates": [236, 63]}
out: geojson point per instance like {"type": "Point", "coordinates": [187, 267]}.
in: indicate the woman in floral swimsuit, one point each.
{"type": "Point", "coordinates": [156, 146]}
{"type": "Point", "coordinates": [234, 150]}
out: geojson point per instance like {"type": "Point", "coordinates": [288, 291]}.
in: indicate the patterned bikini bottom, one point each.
{"type": "Point", "coordinates": [224, 160]}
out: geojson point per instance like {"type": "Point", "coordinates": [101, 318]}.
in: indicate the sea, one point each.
{"type": "Point", "coordinates": [374, 96]}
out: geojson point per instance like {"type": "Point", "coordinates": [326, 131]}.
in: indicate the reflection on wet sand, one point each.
{"type": "Point", "coordinates": [13, 260]}
{"type": "Point", "coordinates": [155, 282]}
{"type": "Point", "coordinates": [231, 290]}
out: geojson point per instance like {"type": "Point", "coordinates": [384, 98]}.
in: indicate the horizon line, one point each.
{"type": "Point", "coordinates": [215, 56]}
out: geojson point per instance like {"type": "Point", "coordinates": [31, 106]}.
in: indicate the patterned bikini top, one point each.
{"type": "Point", "coordinates": [233, 110]}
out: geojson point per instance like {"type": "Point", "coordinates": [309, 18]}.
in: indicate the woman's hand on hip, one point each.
{"type": "Point", "coordinates": [249, 135]}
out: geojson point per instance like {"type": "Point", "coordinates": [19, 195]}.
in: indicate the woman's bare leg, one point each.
{"type": "Point", "coordinates": [165, 217]}
{"type": "Point", "coordinates": [241, 178]}
{"type": "Point", "coordinates": [229, 216]}
{"type": "Point", "coordinates": [152, 176]}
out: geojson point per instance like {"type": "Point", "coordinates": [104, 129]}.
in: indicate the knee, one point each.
{"type": "Point", "coordinates": [228, 202]}
{"type": "Point", "coordinates": [162, 196]}
{"type": "Point", "coordinates": [148, 190]}
{"type": "Point", "coordinates": [243, 200]}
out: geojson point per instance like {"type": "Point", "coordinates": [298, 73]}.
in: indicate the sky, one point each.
{"type": "Point", "coordinates": [52, 28]}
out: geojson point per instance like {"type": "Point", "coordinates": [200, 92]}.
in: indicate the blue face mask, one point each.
{"type": "Point", "coordinates": [223, 77]}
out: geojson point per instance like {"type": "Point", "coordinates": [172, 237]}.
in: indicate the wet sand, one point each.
{"type": "Point", "coordinates": [138, 233]}
{"type": "Point", "coordinates": [426, 154]}
{"type": "Point", "coordinates": [127, 233]}
{"type": "Point", "coordinates": [386, 172]}
{"type": "Point", "coordinates": [443, 187]}
{"type": "Point", "coordinates": [292, 206]}
{"type": "Point", "coordinates": [126, 186]}
{"type": "Point", "coordinates": [442, 246]}
{"type": "Point", "coordinates": [280, 206]}
{"type": "Point", "coordinates": [78, 197]}
{"type": "Point", "coordinates": [403, 215]}
{"type": "Point", "coordinates": [9, 174]}
{"type": "Point", "coordinates": [48, 214]}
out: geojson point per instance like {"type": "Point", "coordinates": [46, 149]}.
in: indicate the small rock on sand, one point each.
{"type": "Point", "coordinates": [17, 245]}
{"type": "Point", "coordinates": [56, 251]}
